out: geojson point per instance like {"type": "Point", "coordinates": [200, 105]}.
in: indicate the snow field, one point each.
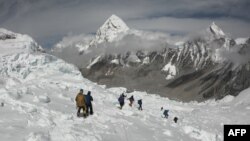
{"type": "Point", "coordinates": [38, 92]}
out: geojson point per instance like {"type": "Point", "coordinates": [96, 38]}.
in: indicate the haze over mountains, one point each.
{"type": "Point", "coordinates": [206, 65]}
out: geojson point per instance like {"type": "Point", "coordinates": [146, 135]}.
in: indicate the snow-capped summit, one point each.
{"type": "Point", "coordinates": [216, 30]}
{"type": "Point", "coordinates": [110, 29]}
{"type": "Point", "coordinates": [11, 42]}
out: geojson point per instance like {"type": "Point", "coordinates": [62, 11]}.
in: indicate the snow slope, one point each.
{"type": "Point", "coordinates": [38, 90]}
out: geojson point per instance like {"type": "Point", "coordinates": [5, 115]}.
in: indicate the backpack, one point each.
{"type": "Point", "coordinates": [88, 99]}
{"type": "Point", "coordinates": [120, 99]}
{"type": "Point", "coordinates": [140, 102]}
{"type": "Point", "coordinates": [131, 98]}
{"type": "Point", "coordinates": [165, 112]}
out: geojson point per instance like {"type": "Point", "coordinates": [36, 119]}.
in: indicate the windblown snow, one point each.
{"type": "Point", "coordinates": [37, 94]}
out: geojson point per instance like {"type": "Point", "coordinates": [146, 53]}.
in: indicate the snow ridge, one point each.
{"type": "Point", "coordinates": [11, 42]}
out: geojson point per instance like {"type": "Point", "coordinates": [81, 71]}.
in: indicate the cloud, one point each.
{"type": "Point", "coordinates": [238, 54]}
{"type": "Point", "coordinates": [73, 40]}
{"type": "Point", "coordinates": [135, 43]}
{"type": "Point", "coordinates": [232, 27]}
{"type": "Point", "coordinates": [147, 41]}
{"type": "Point", "coordinates": [48, 21]}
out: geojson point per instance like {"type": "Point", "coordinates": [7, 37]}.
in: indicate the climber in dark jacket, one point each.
{"type": "Point", "coordinates": [175, 119]}
{"type": "Point", "coordinates": [165, 113]}
{"type": "Point", "coordinates": [88, 101]}
{"type": "Point", "coordinates": [121, 100]}
{"type": "Point", "coordinates": [140, 104]}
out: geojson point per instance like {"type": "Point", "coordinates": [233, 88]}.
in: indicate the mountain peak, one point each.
{"type": "Point", "coordinates": [111, 28]}
{"type": "Point", "coordinates": [114, 17]}
{"type": "Point", "coordinates": [115, 22]}
{"type": "Point", "coordinates": [216, 30]}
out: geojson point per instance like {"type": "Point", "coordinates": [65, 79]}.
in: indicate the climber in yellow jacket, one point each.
{"type": "Point", "coordinates": [80, 103]}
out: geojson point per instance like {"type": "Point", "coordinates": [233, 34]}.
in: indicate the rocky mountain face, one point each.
{"type": "Point", "coordinates": [208, 66]}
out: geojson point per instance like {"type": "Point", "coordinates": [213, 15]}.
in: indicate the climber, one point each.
{"type": "Point", "coordinates": [140, 104]}
{"type": "Point", "coordinates": [175, 119]}
{"type": "Point", "coordinates": [121, 100]}
{"type": "Point", "coordinates": [131, 100]}
{"type": "Point", "coordinates": [80, 103]}
{"type": "Point", "coordinates": [165, 113]}
{"type": "Point", "coordinates": [88, 100]}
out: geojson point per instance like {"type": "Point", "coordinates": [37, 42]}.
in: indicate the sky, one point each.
{"type": "Point", "coordinates": [48, 21]}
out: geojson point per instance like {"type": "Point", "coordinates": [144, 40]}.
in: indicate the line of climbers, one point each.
{"type": "Point", "coordinates": [165, 114]}
{"type": "Point", "coordinates": [84, 102]}
{"type": "Point", "coordinates": [121, 101]}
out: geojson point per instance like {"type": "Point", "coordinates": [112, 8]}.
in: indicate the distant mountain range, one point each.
{"type": "Point", "coordinates": [209, 65]}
